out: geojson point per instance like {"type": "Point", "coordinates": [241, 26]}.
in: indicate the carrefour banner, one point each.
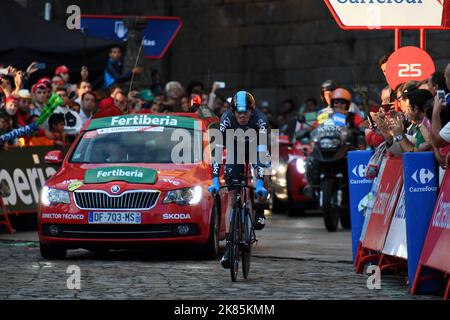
{"type": "Point", "coordinates": [23, 173]}
{"type": "Point", "coordinates": [421, 188]}
{"type": "Point", "coordinates": [359, 187]}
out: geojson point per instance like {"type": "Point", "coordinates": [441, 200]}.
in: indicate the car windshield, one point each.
{"type": "Point", "coordinates": [139, 145]}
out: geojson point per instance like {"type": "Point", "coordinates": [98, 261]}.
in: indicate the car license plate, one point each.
{"type": "Point", "coordinates": [115, 217]}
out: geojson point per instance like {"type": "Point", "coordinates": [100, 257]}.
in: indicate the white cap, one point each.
{"type": "Point", "coordinates": [24, 93]}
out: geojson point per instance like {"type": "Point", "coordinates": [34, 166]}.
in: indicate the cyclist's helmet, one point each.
{"type": "Point", "coordinates": [242, 102]}
{"type": "Point", "coordinates": [341, 94]}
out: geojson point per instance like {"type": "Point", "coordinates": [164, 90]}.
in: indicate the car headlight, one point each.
{"type": "Point", "coordinates": [51, 196]}
{"type": "Point", "coordinates": [327, 143]}
{"type": "Point", "coordinates": [300, 164]}
{"type": "Point", "coordinates": [184, 196]}
{"type": "Point", "coordinates": [282, 168]}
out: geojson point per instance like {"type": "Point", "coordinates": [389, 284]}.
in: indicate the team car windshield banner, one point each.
{"type": "Point", "coordinates": [122, 173]}
{"type": "Point", "coordinates": [143, 120]}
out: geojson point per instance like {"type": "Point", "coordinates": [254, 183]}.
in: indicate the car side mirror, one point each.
{"type": "Point", "coordinates": [54, 157]}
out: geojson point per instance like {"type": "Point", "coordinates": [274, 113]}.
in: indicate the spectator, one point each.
{"type": "Point", "coordinates": [195, 87]}
{"type": "Point", "coordinates": [185, 104]}
{"type": "Point", "coordinates": [121, 102]}
{"type": "Point", "coordinates": [157, 86]}
{"type": "Point", "coordinates": [114, 68]}
{"type": "Point", "coordinates": [83, 87]}
{"type": "Point", "coordinates": [10, 108]}
{"type": "Point", "coordinates": [417, 136]}
{"type": "Point", "coordinates": [88, 107]}
{"type": "Point", "coordinates": [174, 92]}
{"type": "Point", "coordinates": [437, 82]}
{"type": "Point", "coordinates": [64, 73]}
{"type": "Point", "coordinates": [5, 127]}
{"type": "Point", "coordinates": [73, 122]}
{"type": "Point", "coordinates": [382, 63]}
{"type": "Point", "coordinates": [56, 123]}
{"type": "Point", "coordinates": [57, 82]}
{"type": "Point", "coordinates": [311, 105]}
{"type": "Point", "coordinates": [109, 101]}
{"type": "Point", "coordinates": [40, 98]}
{"type": "Point", "coordinates": [24, 107]}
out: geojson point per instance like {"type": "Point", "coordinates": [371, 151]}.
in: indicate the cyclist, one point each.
{"type": "Point", "coordinates": [242, 115]}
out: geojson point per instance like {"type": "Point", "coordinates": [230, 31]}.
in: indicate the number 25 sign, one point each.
{"type": "Point", "coordinates": [408, 63]}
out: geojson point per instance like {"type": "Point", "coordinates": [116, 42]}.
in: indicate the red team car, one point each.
{"type": "Point", "coordinates": [131, 180]}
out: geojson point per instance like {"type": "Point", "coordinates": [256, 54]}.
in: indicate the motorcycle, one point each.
{"type": "Point", "coordinates": [288, 183]}
{"type": "Point", "coordinates": [327, 169]}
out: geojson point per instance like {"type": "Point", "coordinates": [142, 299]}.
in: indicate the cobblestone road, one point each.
{"type": "Point", "coordinates": [172, 274]}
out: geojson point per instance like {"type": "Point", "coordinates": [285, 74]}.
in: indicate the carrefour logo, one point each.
{"type": "Point", "coordinates": [423, 176]}
{"type": "Point", "coordinates": [360, 172]}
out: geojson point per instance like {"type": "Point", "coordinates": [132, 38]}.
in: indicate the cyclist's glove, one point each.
{"type": "Point", "coordinates": [260, 188]}
{"type": "Point", "coordinates": [214, 188]}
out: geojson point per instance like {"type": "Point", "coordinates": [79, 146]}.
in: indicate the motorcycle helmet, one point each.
{"type": "Point", "coordinates": [341, 94]}
{"type": "Point", "coordinates": [242, 102]}
{"type": "Point", "coordinates": [328, 85]}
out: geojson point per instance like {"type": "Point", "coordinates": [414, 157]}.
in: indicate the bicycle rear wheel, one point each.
{"type": "Point", "coordinates": [246, 247]}
{"type": "Point", "coordinates": [234, 243]}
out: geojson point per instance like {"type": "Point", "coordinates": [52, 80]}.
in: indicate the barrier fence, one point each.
{"type": "Point", "coordinates": [401, 220]}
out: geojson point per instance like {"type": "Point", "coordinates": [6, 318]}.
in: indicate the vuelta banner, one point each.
{"type": "Point", "coordinates": [396, 244]}
{"type": "Point", "coordinates": [435, 253]}
{"type": "Point", "coordinates": [421, 177]}
{"type": "Point", "coordinates": [23, 172]}
{"type": "Point", "coordinates": [384, 205]}
{"type": "Point", "coordinates": [390, 14]}
{"type": "Point", "coordinates": [366, 204]}
{"type": "Point", "coordinates": [359, 187]}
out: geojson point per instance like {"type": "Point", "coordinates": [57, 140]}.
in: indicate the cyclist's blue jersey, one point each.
{"type": "Point", "coordinates": [257, 122]}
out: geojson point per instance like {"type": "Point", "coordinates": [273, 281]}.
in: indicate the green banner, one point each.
{"type": "Point", "coordinates": [143, 120]}
{"type": "Point", "coordinates": [128, 174]}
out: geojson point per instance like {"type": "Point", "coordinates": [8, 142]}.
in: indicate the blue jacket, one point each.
{"type": "Point", "coordinates": [113, 73]}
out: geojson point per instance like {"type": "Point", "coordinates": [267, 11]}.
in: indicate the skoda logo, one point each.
{"type": "Point", "coordinates": [115, 189]}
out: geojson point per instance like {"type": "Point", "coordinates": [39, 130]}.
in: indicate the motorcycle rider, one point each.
{"type": "Point", "coordinates": [340, 100]}
{"type": "Point", "coordinates": [242, 115]}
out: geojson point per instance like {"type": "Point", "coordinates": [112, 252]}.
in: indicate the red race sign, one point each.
{"type": "Point", "coordinates": [435, 253]}
{"type": "Point", "coordinates": [408, 63]}
{"type": "Point", "coordinates": [384, 206]}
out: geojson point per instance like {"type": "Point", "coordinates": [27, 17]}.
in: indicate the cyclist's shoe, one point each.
{"type": "Point", "coordinates": [260, 222]}
{"type": "Point", "coordinates": [225, 261]}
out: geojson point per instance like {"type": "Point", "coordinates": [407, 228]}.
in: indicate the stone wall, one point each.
{"type": "Point", "coordinates": [277, 49]}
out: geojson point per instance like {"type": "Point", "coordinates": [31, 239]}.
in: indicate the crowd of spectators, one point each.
{"type": "Point", "coordinates": [412, 117]}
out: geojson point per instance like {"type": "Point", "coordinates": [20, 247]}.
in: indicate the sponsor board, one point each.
{"type": "Point", "coordinates": [384, 205]}
{"type": "Point", "coordinates": [24, 172]}
{"type": "Point", "coordinates": [421, 190]}
{"type": "Point", "coordinates": [389, 14]}
{"type": "Point", "coordinates": [359, 187]}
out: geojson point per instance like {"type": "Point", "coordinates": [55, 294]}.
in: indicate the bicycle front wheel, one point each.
{"type": "Point", "coordinates": [234, 243]}
{"type": "Point", "coordinates": [246, 247]}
